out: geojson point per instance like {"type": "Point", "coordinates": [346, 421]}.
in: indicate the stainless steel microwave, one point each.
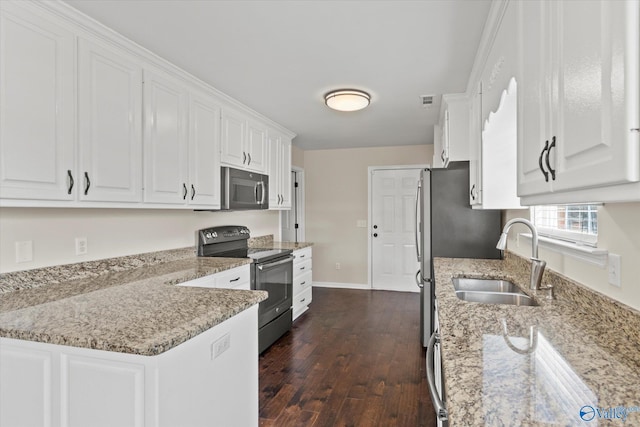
{"type": "Point", "coordinates": [242, 190]}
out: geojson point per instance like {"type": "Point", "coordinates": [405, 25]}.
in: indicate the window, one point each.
{"type": "Point", "coordinates": [572, 223]}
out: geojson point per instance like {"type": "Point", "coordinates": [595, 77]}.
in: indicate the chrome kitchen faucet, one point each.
{"type": "Point", "coordinates": [537, 265]}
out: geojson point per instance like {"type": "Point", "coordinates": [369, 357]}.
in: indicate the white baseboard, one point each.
{"type": "Point", "coordinates": [341, 285]}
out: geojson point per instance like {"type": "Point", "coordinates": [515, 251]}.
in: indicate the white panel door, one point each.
{"type": "Point", "coordinates": [285, 173]}
{"type": "Point", "coordinates": [119, 401]}
{"type": "Point", "coordinates": [257, 155]}
{"type": "Point", "coordinates": [165, 140]}
{"type": "Point", "coordinates": [534, 82]}
{"type": "Point", "coordinates": [392, 229]}
{"type": "Point", "coordinates": [37, 107]}
{"type": "Point", "coordinates": [234, 128]}
{"type": "Point", "coordinates": [26, 389]}
{"type": "Point", "coordinates": [204, 152]}
{"type": "Point", "coordinates": [110, 124]}
{"type": "Point", "coordinates": [595, 49]}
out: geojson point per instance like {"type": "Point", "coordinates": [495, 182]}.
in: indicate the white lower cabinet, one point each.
{"type": "Point", "coordinates": [302, 281]}
{"type": "Point", "coordinates": [193, 384]}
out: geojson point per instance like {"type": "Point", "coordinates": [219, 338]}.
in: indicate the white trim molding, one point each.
{"type": "Point", "coordinates": [589, 254]}
{"type": "Point", "coordinates": [360, 286]}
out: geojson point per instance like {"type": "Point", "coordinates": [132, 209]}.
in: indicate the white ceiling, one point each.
{"type": "Point", "coordinates": [281, 57]}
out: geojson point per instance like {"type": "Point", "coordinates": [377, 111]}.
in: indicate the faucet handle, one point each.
{"type": "Point", "coordinates": [537, 270]}
{"type": "Point", "coordinates": [549, 289]}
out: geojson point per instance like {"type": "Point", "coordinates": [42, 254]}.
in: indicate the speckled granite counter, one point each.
{"type": "Point", "coordinates": [127, 305]}
{"type": "Point", "coordinates": [267, 242]}
{"type": "Point", "coordinates": [527, 366]}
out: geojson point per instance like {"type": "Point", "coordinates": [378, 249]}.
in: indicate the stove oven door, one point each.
{"type": "Point", "coordinates": [275, 277]}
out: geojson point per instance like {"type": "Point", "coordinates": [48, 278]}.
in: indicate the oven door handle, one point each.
{"type": "Point", "coordinates": [274, 264]}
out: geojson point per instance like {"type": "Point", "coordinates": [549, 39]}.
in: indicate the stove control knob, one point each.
{"type": "Point", "coordinates": [214, 234]}
{"type": "Point", "coordinates": [208, 235]}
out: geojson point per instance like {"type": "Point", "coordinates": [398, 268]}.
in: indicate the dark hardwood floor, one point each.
{"type": "Point", "coordinates": [354, 359]}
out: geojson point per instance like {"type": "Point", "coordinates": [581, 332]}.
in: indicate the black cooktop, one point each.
{"type": "Point", "coordinates": [231, 241]}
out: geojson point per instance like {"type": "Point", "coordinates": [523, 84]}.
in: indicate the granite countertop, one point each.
{"type": "Point", "coordinates": [516, 365]}
{"type": "Point", "coordinates": [267, 242]}
{"type": "Point", "coordinates": [128, 305]}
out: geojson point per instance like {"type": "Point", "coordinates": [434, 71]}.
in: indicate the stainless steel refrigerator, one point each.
{"type": "Point", "coordinates": [447, 226]}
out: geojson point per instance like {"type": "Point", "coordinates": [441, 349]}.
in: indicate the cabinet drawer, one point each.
{"type": "Point", "coordinates": [301, 255]}
{"type": "Point", "coordinates": [303, 299]}
{"type": "Point", "coordinates": [236, 278]}
{"type": "Point", "coordinates": [301, 268]}
{"type": "Point", "coordinates": [301, 282]}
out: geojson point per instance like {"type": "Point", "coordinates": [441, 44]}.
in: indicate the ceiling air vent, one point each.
{"type": "Point", "coordinates": [426, 100]}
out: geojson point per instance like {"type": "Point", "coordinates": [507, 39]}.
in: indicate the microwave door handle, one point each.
{"type": "Point", "coordinates": [255, 192]}
{"type": "Point", "coordinates": [261, 195]}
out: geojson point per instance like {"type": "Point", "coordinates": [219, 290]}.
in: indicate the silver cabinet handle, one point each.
{"type": "Point", "coordinates": [441, 411]}
{"type": "Point", "coordinates": [418, 281]}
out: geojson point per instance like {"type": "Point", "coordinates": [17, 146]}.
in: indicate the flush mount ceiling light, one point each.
{"type": "Point", "coordinates": [347, 100]}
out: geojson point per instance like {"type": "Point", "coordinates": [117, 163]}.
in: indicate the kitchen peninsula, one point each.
{"type": "Point", "coordinates": [116, 342]}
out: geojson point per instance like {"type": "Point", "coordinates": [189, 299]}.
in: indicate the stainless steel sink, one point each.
{"type": "Point", "coordinates": [496, 298]}
{"type": "Point", "coordinates": [485, 285]}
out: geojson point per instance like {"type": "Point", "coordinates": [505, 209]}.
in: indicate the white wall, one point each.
{"type": "Point", "coordinates": [111, 232]}
{"type": "Point", "coordinates": [337, 196]}
{"type": "Point", "coordinates": [618, 232]}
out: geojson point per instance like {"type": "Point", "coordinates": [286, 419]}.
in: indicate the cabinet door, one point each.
{"type": "Point", "coordinates": [274, 142]}
{"type": "Point", "coordinates": [204, 152]}
{"type": "Point", "coordinates": [594, 145]}
{"type": "Point", "coordinates": [110, 124]}
{"type": "Point", "coordinates": [37, 106]}
{"type": "Point", "coordinates": [234, 128]}
{"type": "Point", "coordinates": [285, 173]}
{"type": "Point", "coordinates": [165, 144]}
{"type": "Point", "coordinates": [475, 148]}
{"type": "Point", "coordinates": [534, 86]}
{"type": "Point", "coordinates": [257, 155]}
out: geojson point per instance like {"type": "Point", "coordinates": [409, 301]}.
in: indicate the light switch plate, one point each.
{"type": "Point", "coordinates": [614, 269]}
{"type": "Point", "coordinates": [220, 345]}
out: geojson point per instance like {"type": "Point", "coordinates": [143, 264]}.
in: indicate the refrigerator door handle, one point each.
{"type": "Point", "coordinates": [418, 220]}
{"type": "Point", "coordinates": [419, 279]}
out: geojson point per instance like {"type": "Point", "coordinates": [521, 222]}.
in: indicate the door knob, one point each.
{"type": "Point", "coordinates": [375, 234]}
{"type": "Point", "coordinates": [375, 226]}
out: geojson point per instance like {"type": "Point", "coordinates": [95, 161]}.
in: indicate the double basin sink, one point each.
{"type": "Point", "coordinates": [490, 291]}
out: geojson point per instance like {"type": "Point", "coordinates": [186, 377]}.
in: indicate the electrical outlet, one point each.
{"type": "Point", "coordinates": [614, 269]}
{"type": "Point", "coordinates": [338, 266]}
{"type": "Point", "coordinates": [220, 345]}
{"type": "Point", "coordinates": [81, 245]}
{"type": "Point", "coordinates": [24, 251]}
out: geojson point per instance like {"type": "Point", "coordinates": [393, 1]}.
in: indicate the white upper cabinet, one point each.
{"type": "Point", "coordinates": [578, 98]}
{"type": "Point", "coordinates": [165, 139]}
{"type": "Point", "coordinates": [110, 124]}
{"type": "Point", "coordinates": [279, 170]}
{"type": "Point", "coordinates": [37, 143]}
{"type": "Point", "coordinates": [244, 142]}
{"type": "Point", "coordinates": [451, 138]}
{"type": "Point", "coordinates": [492, 121]}
{"type": "Point", "coordinates": [204, 151]}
